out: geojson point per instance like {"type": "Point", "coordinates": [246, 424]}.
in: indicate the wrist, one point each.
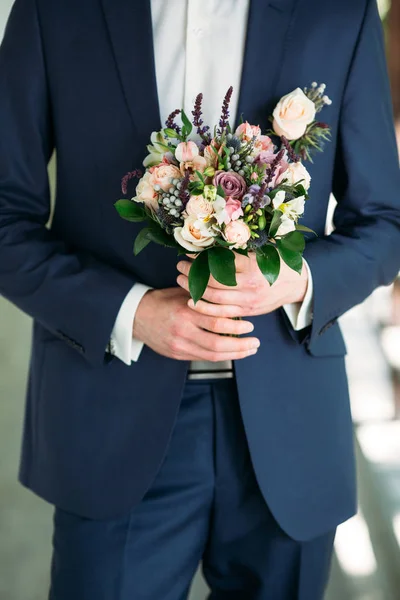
{"type": "Point", "coordinates": [141, 315]}
{"type": "Point", "coordinates": [300, 290]}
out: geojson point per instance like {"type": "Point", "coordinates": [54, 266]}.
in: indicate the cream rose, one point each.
{"type": "Point", "coordinates": [292, 114]}
{"type": "Point", "coordinates": [296, 173]}
{"type": "Point", "coordinates": [163, 175]}
{"type": "Point", "coordinates": [237, 233]}
{"type": "Point", "coordinates": [145, 192]}
{"type": "Point", "coordinates": [199, 206]}
{"type": "Point", "coordinates": [195, 234]}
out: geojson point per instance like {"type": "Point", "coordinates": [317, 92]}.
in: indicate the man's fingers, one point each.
{"type": "Point", "coordinates": [225, 326]}
{"type": "Point", "coordinates": [184, 267]}
{"type": "Point", "coordinates": [219, 344]}
{"type": "Point", "coordinates": [216, 310]}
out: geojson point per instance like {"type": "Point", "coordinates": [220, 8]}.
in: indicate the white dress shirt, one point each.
{"type": "Point", "coordinates": [198, 47]}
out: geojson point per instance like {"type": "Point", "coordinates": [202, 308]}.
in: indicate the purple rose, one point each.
{"type": "Point", "coordinates": [233, 184]}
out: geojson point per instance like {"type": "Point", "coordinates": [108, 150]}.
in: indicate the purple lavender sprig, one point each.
{"type": "Point", "coordinates": [274, 166]}
{"type": "Point", "coordinates": [291, 153]}
{"type": "Point", "coordinates": [183, 191]}
{"type": "Point", "coordinates": [198, 121]}
{"type": "Point", "coordinates": [258, 201]}
{"type": "Point", "coordinates": [170, 122]}
{"type": "Point", "coordinates": [126, 178]}
{"type": "Point", "coordinates": [223, 122]}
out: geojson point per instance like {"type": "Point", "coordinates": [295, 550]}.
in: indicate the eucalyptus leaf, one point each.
{"type": "Point", "coordinates": [269, 263]}
{"type": "Point", "coordinates": [222, 265]}
{"type": "Point", "coordinates": [141, 241]}
{"type": "Point", "coordinates": [130, 211]}
{"type": "Point", "coordinates": [199, 275]}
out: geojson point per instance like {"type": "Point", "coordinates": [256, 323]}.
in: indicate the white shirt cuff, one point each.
{"type": "Point", "coordinates": [125, 347]}
{"type": "Point", "coordinates": [300, 313]}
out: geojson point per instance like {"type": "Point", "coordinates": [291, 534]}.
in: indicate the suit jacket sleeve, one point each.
{"type": "Point", "coordinates": [69, 292]}
{"type": "Point", "coordinates": [364, 250]}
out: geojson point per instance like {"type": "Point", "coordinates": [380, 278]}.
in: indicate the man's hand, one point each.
{"type": "Point", "coordinates": [165, 323]}
{"type": "Point", "coordinates": [253, 295]}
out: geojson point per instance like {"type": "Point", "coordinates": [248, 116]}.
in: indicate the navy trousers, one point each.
{"type": "Point", "coordinates": [204, 505]}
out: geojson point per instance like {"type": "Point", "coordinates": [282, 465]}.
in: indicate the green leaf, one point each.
{"type": "Point", "coordinates": [276, 221]}
{"type": "Point", "coordinates": [130, 211]}
{"type": "Point", "coordinates": [222, 265]}
{"type": "Point", "coordinates": [171, 133]}
{"type": "Point", "coordinates": [242, 251]}
{"type": "Point", "coordinates": [269, 263]}
{"type": "Point", "coordinates": [294, 260]}
{"type": "Point", "coordinates": [304, 228]}
{"type": "Point", "coordinates": [293, 241]}
{"type": "Point", "coordinates": [220, 191]}
{"type": "Point", "coordinates": [186, 122]}
{"type": "Point", "coordinates": [141, 241]}
{"type": "Point", "coordinates": [200, 176]}
{"type": "Point", "coordinates": [159, 236]}
{"type": "Point", "coordinates": [199, 275]}
{"type": "Point", "coordinates": [301, 189]}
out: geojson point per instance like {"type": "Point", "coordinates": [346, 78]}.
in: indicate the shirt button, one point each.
{"type": "Point", "coordinates": [198, 32]}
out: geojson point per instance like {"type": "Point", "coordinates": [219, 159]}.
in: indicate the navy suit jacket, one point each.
{"type": "Point", "coordinates": [79, 77]}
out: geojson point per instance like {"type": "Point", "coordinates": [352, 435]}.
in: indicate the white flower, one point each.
{"type": "Point", "coordinates": [157, 149]}
{"type": "Point", "coordinates": [291, 210]}
{"type": "Point", "coordinates": [296, 173]}
{"type": "Point", "coordinates": [286, 226]}
{"type": "Point", "coordinates": [195, 235]}
{"type": "Point", "coordinates": [220, 212]}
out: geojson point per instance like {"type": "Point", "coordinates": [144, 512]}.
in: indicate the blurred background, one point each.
{"type": "Point", "coordinates": [366, 564]}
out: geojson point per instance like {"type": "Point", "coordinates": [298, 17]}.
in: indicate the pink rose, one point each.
{"type": "Point", "coordinates": [237, 233]}
{"type": "Point", "coordinates": [163, 175]}
{"type": "Point", "coordinates": [263, 144]}
{"type": "Point", "coordinates": [234, 208]}
{"type": "Point", "coordinates": [145, 192]}
{"type": "Point", "coordinates": [267, 158]}
{"type": "Point", "coordinates": [186, 151]}
{"type": "Point", "coordinates": [247, 132]}
{"type": "Point", "coordinates": [233, 184]}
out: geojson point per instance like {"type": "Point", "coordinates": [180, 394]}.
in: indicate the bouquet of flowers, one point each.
{"type": "Point", "coordinates": [218, 192]}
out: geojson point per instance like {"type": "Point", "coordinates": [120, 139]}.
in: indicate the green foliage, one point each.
{"type": "Point", "coordinates": [199, 275]}
{"type": "Point", "coordinates": [293, 241]}
{"type": "Point", "coordinates": [276, 221]}
{"type": "Point", "coordinates": [269, 263]}
{"type": "Point", "coordinates": [141, 241]}
{"type": "Point", "coordinates": [187, 126]}
{"type": "Point", "coordinates": [222, 265]}
{"type": "Point", "coordinates": [293, 259]}
{"type": "Point", "coordinates": [130, 211]}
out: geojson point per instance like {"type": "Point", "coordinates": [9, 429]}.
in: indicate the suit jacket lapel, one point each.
{"type": "Point", "coordinates": [130, 28]}
{"type": "Point", "coordinates": [268, 32]}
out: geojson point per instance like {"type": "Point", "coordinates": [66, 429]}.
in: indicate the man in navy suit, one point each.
{"type": "Point", "coordinates": [152, 468]}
